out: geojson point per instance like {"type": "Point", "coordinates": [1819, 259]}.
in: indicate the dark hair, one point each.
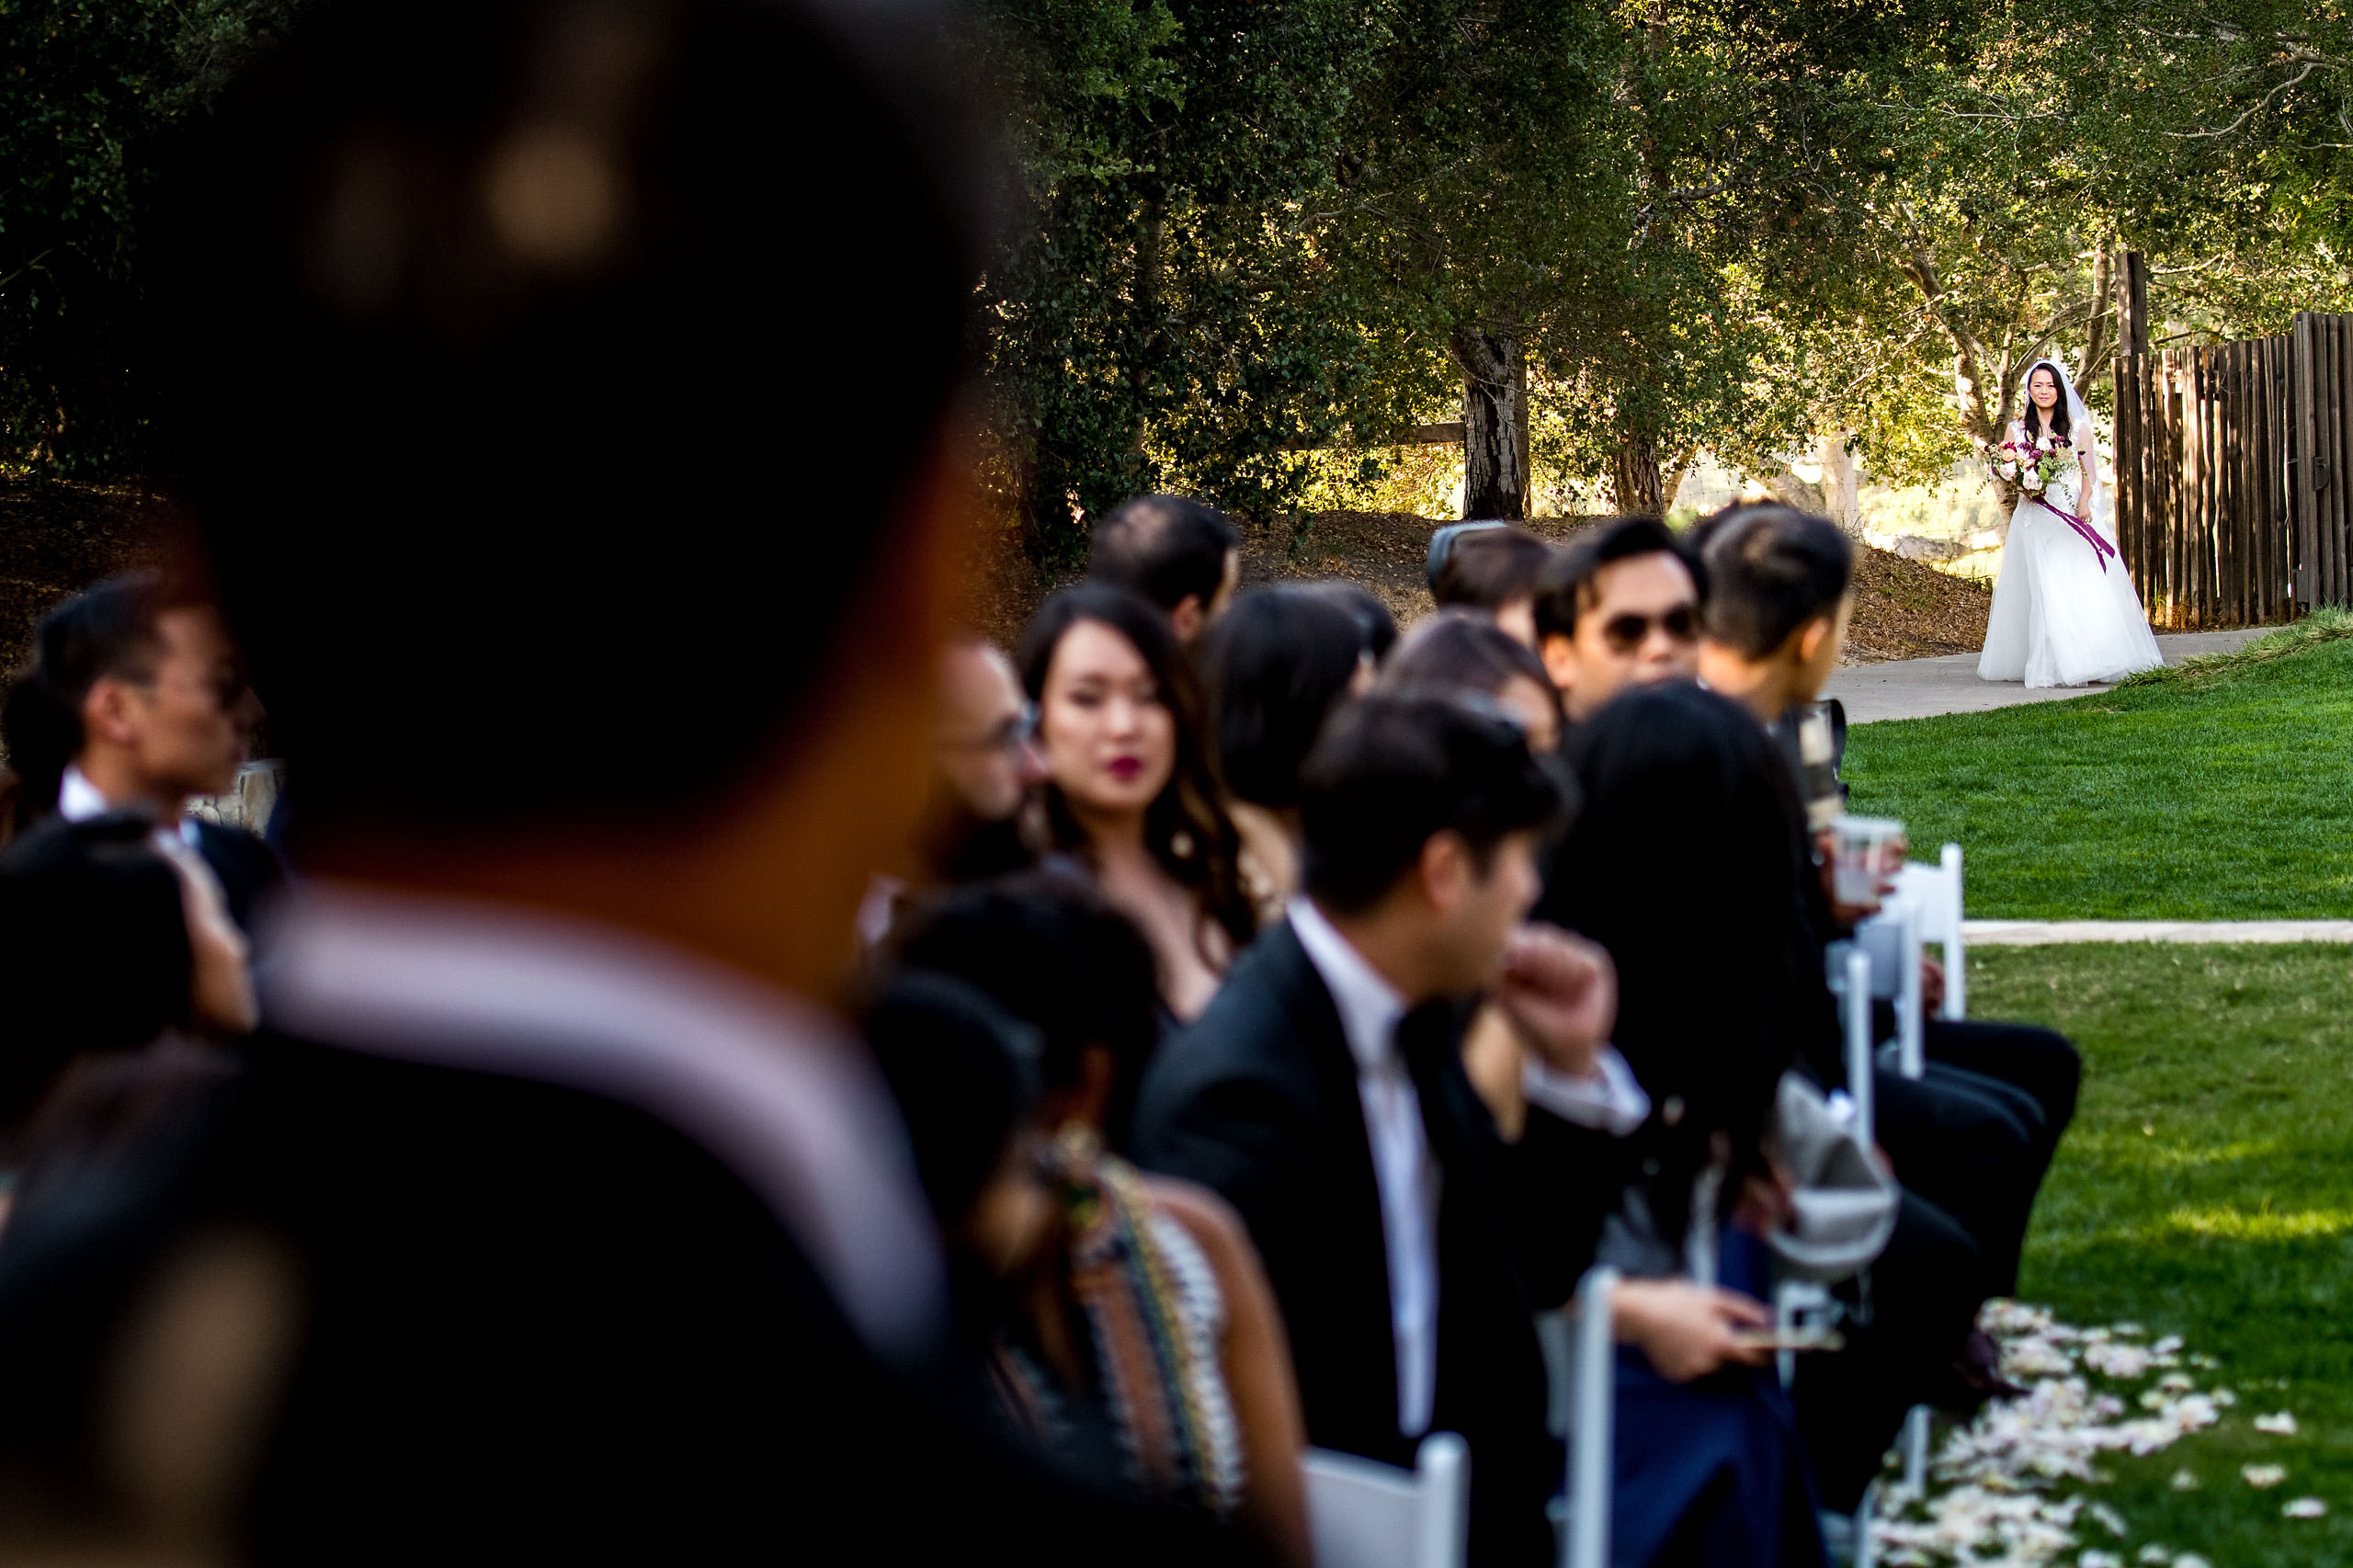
{"type": "Point", "coordinates": [1275, 666]}
{"type": "Point", "coordinates": [1567, 582]}
{"type": "Point", "coordinates": [1051, 951]}
{"type": "Point", "coordinates": [1685, 859]}
{"type": "Point", "coordinates": [1373, 619]}
{"type": "Point", "coordinates": [2062, 424]}
{"type": "Point", "coordinates": [489, 272]}
{"type": "Point", "coordinates": [1186, 827]}
{"type": "Point", "coordinates": [1164, 547]}
{"type": "Point", "coordinates": [1461, 651]}
{"type": "Point", "coordinates": [107, 630]}
{"type": "Point", "coordinates": [1392, 771]}
{"type": "Point", "coordinates": [1489, 568]}
{"type": "Point", "coordinates": [93, 951]}
{"type": "Point", "coordinates": [965, 1074]}
{"type": "Point", "coordinates": [1771, 569]}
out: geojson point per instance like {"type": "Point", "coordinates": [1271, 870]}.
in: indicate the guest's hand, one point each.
{"type": "Point", "coordinates": [1686, 1330]}
{"type": "Point", "coordinates": [1561, 993]}
{"type": "Point", "coordinates": [220, 986]}
{"type": "Point", "coordinates": [1932, 985]}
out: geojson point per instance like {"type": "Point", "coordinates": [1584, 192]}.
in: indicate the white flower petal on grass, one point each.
{"type": "Point", "coordinates": [2303, 1508]}
{"type": "Point", "coordinates": [2281, 1424]}
{"type": "Point", "coordinates": [2128, 1330]}
{"type": "Point", "coordinates": [2227, 1396]}
{"type": "Point", "coordinates": [2190, 1560]}
{"type": "Point", "coordinates": [2264, 1475]}
{"type": "Point", "coordinates": [2098, 1559]}
{"type": "Point", "coordinates": [2184, 1480]}
{"type": "Point", "coordinates": [2152, 1553]}
{"type": "Point", "coordinates": [2169, 1346]}
{"type": "Point", "coordinates": [2107, 1518]}
{"type": "Point", "coordinates": [2176, 1383]}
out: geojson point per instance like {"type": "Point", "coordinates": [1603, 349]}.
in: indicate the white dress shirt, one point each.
{"type": "Point", "coordinates": [1370, 1009]}
{"type": "Point", "coordinates": [1610, 1100]}
{"type": "Point", "coordinates": [78, 799]}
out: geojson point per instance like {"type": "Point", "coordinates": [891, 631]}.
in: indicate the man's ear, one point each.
{"type": "Point", "coordinates": [1560, 656]}
{"type": "Point", "coordinates": [1445, 870]}
{"type": "Point", "coordinates": [1186, 618]}
{"type": "Point", "coordinates": [1809, 636]}
{"type": "Point", "coordinates": [106, 711]}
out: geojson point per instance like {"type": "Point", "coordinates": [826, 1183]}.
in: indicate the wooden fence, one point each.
{"type": "Point", "coordinates": [2231, 502]}
{"type": "Point", "coordinates": [2201, 482]}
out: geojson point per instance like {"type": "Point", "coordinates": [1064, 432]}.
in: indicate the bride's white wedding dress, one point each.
{"type": "Point", "coordinates": [2065, 612]}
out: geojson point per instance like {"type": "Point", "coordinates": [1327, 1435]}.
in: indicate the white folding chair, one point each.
{"type": "Point", "coordinates": [1581, 1358]}
{"type": "Point", "coordinates": [1851, 974]}
{"type": "Point", "coordinates": [1363, 1513]}
{"type": "Point", "coordinates": [1935, 892]}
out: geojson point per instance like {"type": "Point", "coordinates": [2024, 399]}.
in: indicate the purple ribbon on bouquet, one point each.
{"type": "Point", "coordinates": [2101, 549]}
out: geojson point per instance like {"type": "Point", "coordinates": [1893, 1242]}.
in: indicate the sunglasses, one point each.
{"type": "Point", "coordinates": [1624, 633]}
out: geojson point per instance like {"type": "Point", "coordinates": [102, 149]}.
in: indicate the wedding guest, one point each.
{"type": "Point", "coordinates": [135, 701]}
{"type": "Point", "coordinates": [1275, 666]}
{"type": "Point", "coordinates": [1322, 1092]}
{"type": "Point", "coordinates": [1617, 606]}
{"type": "Point", "coordinates": [1494, 570]}
{"type": "Point", "coordinates": [1977, 1132]}
{"type": "Point", "coordinates": [1050, 950]}
{"type": "Point", "coordinates": [1378, 627]}
{"type": "Point", "coordinates": [1133, 793]}
{"type": "Point", "coordinates": [1182, 554]}
{"type": "Point", "coordinates": [1461, 651]}
{"type": "Point", "coordinates": [556, 1217]}
{"type": "Point", "coordinates": [1127, 1321]}
{"type": "Point", "coordinates": [986, 762]}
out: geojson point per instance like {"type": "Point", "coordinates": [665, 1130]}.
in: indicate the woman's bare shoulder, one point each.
{"type": "Point", "coordinates": [1207, 1218]}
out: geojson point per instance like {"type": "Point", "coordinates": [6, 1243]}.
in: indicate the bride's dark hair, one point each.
{"type": "Point", "coordinates": [2062, 424]}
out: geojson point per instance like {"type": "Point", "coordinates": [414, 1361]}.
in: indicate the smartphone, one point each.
{"type": "Point", "coordinates": [1790, 1339]}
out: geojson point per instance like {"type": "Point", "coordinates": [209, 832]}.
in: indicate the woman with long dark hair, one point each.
{"type": "Point", "coordinates": [2064, 611]}
{"type": "Point", "coordinates": [1132, 790]}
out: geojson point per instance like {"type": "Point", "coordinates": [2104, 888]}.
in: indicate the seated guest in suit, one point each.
{"type": "Point", "coordinates": [1184, 555]}
{"type": "Point", "coordinates": [1322, 1096]}
{"type": "Point", "coordinates": [1458, 650]}
{"type": "Point", "coordinates": [556, 1217]}
{"type": "Point", "coordinates": [1977, 1133]}
{"type": "Point", "coordinates": [1494, 571]}
{"type": "Point", "coordinates": [1275, 667]}
{"type": "Point", "coordinates": [1132, 792]}
{"type": "Point", "coordinates": [1617, 606]}
{"type": "Point", "coordinates": [135, 701]}
{"type": "Point", "coordinates": [1126, 1322]}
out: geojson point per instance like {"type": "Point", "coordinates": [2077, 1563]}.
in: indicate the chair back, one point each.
{"type": "Point", "coordinates": [1850, 981]}
{"type": "Point", "coordinates": [1363, 1513]}
{"type": "Point", "coordinates": [1936, 891]}
{"type": "Point", "coordinates": [1892, 939]}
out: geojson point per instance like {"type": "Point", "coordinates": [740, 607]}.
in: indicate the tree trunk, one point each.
{"type": "Point", "coordinates": [1634, 481]}
{"type": "Point", "coordinates": [1495, 422]}
{"type": "Point", "coordinates": [1841, 491]}
{"type": "Point", "coordinates": [1968, 353]}
{"type": "Point", "coordinates": [2097, 341]}
{"type": "Point", "coordinates": [1670, 478]}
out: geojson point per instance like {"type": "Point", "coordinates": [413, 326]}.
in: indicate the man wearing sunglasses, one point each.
{"type": "Point", "coordinates": [1617, 608]}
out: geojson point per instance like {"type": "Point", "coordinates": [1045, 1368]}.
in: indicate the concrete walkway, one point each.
{"type": "Point", "coordinates": [1916, 689]}
{"type": "Point", "coordinates": [2042, 933]}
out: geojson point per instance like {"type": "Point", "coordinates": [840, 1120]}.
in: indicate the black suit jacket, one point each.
{"type": "Point", "coordinates": [245, 866]}
{"type": "Point", "coordinates": [1257, 1098]}
{"type": "Point", "coordinates": [533, 1324]}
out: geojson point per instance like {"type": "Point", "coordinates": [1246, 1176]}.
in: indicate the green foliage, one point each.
{"type": "Point", "coordinates": [87, 92]}
{"type": "Point", "coordinates": [2202, 1191]}
{"type": "Point", "coordinates": [2212, 798]}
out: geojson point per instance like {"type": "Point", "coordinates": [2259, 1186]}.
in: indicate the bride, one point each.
{"type": "Point", "coordinates": [2065, 612]}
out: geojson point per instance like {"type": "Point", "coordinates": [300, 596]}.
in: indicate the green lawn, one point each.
{"type": "Point", "coordinates": [2226, 796]}
{"type": "Point", "coordinates": [2207, 1190]}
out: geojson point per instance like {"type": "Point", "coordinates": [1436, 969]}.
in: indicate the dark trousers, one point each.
{"type": "Point", "coordinates": [1975, 1132]}
{"type": "Point", "coordinates": [1907, 1317]}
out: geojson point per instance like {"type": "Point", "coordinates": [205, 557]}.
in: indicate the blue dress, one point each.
{"type": "Point", "coordinates": [1711, 1473]}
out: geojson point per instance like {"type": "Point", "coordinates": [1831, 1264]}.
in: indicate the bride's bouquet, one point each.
{"type": "Point", "coordinates": [2033, 463]}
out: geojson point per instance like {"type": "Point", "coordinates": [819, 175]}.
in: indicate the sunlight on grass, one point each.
{"type": "Point", "coordinates": [2220, 795]}
{"type": "Point", "coordinates": [2207, 1190]}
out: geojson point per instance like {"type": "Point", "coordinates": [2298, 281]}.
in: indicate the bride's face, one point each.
{"type": "Point", "coordinates": [2043, 387]}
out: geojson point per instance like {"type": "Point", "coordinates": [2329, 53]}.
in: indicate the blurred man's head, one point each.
{"type": "Point", "coordinates": [1494, 570]}
{"type": "Point", "coordinates": [1181, 554]}
{"type": "Point", "coordinates": [523, 295]}
{"type": "Point", "coordinates": [1422, 817]}
{"type": "Point", "coordinates": [987, 761]}
{"type": "Point", "coordinates": [134, 683]}
{"type": "Point", "coordinates": [1617, 608]}
{"type": "Point", "coordinates": [1777, 603]}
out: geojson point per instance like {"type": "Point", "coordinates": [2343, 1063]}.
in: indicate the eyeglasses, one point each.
{"type": "Point", "coordinates": [1014, 730]}
{"type": "Point", "coordinates": [1624, 633]}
